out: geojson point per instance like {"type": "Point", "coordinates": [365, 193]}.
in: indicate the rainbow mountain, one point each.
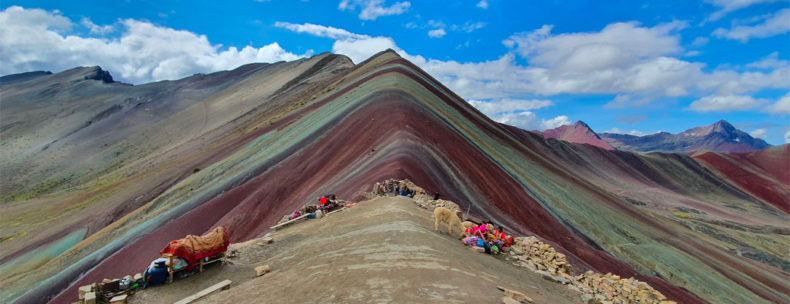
{"type": "Point", "coordinates": [98, 176]}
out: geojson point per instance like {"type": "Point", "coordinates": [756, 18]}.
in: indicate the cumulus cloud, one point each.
{"type": "Point", "coordinates": [372, 9]}
{"type": "Point", "coordinates": [437, 33]}
{"type": "Point", "coordinates": [529, 121]}
{"type": "Point", "coordinates": [776, 24]}
{"type": "Point", "coordinates": [35, 39]}
{"type": "Point", "coordinates": [782, 106]}
{"type": "Point", "coordinates": [516, 112]}
{"type": "Point", "coordinates": [96, 29]}
{"type": "Point", "coordinates": [360, 49]}
{"type": "Point", "coordinates": [787, 137]}
{"type": "Point", "coordinates": [618, 45]}
{"type": "Point", "coordinates": [725, 103]}
{"type": "Point", "coordinates": [510, 105]}
{"type": "Point", "coordinates": [555, 122]}
{"type": "Point", "coordinates": [482, 4]}
{"type": "Point", "coordinates": [759, 133]}
{"type": "Point", "coordinates": [626, 59]}
{"type": "Point", "coordinates": [771, 61]}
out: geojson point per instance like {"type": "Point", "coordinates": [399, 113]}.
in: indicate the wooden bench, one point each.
{"type": "Point", "coordinates": [214, 288]}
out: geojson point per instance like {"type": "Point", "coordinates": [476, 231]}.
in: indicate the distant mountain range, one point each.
{"type": "Point", "coordinates": [720, 136]}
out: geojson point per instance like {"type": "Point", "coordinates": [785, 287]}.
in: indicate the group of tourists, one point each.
{"type": "Point", "coordinates": [403, 191]}
{"type": "Point", "coordinates": [487, 237]}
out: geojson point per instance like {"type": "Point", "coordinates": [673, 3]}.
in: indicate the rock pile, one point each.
{"type": "Point", "coordinates": [539, 256]}
{"type": "Point", "coordinates": [595, 287]}
{"type": "Point", "coordinates": [609, 288]}
{"type": "Point", "coordinates": [422, 198]}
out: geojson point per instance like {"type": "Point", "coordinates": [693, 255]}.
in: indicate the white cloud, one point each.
{"type": "Point", "coordinates": [35, 39]}
{"type": "Point", "coordinates": [629, 132]}
{"type": "Point", "coordinates": [781, 106]}
{"type": "Point", "coordinates": [727, 6]}
{"type": "Point", "coordinates": [642, 71]}
{"type": "Point", "coordinates": [510, 105]}
{"type": "Point", "coordinates": [692, 53]}
{"type": "Point", "coordinates": [725, 103]}
{"type": "Point", "coordinates": [759, 133]}
{"type": "Point", "coordinates": [618, 45]}
{"type": "Point", "coordinates": [357, 47]}
{"type": "Point", "coordinates": [529, 121]}
{"type": "Point", "coordinates": [777, 24]}
{"type": "Point", "coordinates": [320, 30]}
{"type": "Point", "coordinates": [372, 9]}
{"type": "Point", "coordinates": [787, 137]}
{"type": "Point", "coordinates": [437, 33]}
{"type": "Point", "coordinates": [482, 4]}
{"type": "Point", "coordinates": [516, 112]}
{"type": "Point", "coordinates": [771, 61]}
{"type": "Point", "coordinates": [469, 26]}
{"type": "Point", "coordinates": [360, 49]}
{"type": "Point", "coordinates": [96, 29]}
{"type": "Point", "coordinates": [555, 122]}
{"type": "Point", "coordinates": [700, 41]}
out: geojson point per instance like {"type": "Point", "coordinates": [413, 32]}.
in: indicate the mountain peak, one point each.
{"type": "Point", "coordinates": [722, 126]}
{"type": "Point", "coordinates": [85, 73]}
{"type": "Point", "coordinates": [582, 124]}
{"type": "Point", "coordinates": [579, 133]}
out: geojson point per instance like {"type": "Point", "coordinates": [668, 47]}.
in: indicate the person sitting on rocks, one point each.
{"type": "Point", "coordinates": [499, 238]}
{"type": "Point", "coordinates": [328, 203]}
{"type": "Point", "coordinates": [157, 273]}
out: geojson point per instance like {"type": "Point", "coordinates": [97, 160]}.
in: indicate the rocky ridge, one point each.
{"type": "Point", "coordinates": [532, 254]}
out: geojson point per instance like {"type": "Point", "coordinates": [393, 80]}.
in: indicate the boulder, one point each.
{"type": "Point", "coordinates": [261, 270]}
{"type": "Point", "coordinates": [90, 298]}
{"type": "Point", "coordinates": [84, 290]}
{"type": "Point", "coordinates": [267, 240]}
{"type": "Point", "coordinates": [518, 296]}
{"type": "Point", "coordinates": [548, 277]}
{"type": "Point", "coordinates": [509, 300]}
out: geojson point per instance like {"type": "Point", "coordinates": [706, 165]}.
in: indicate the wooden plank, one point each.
{"type": "Point", "coordinates": [214, 288]}
{"type": "Point", "coordinates": [288, 222]}
{"type": "Point", "coordinates": [338, 210]}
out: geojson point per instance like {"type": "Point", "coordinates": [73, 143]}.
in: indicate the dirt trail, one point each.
{"type": "Point", "coordinates": [380, 251]}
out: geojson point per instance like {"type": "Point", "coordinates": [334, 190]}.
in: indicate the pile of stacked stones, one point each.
{"type": "Point", "coordinates": [595, 287]}
{"type": "Point", "coordinates": [609, 288]}
{"type": "Point", "coordinates": [539, 256]}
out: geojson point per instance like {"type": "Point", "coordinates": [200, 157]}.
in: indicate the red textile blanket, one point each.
{"type": "Point", "coordinates": [193, 248]}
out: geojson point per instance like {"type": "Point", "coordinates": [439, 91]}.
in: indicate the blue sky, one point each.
{"type": "Point", "coordinates": [623, 66]}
